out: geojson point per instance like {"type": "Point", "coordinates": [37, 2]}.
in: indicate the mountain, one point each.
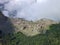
{"type": "Point", "coordinates": [6, 28]}
{"type": "Point", "coordinates": [5, 24]}
{"type": "Point", "coordinates": [30, 28]}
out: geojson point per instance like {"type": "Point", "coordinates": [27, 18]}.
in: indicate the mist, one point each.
{"type": "Point", "coordinates": [32, 9]}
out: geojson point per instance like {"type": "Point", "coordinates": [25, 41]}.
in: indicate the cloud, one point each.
{"type": "Point", "coordinates": [18, 5]}
{"type": "Point", "coordinates": [2, 1]}
{"type": "Point", "coordinates": [35, 9]}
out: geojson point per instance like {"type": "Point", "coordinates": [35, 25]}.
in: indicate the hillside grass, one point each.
{"type": "Point", "coordinates": [51, 37]}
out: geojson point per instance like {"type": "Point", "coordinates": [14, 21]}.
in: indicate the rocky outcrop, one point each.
{"type": "Point", "coordinates": [31, 28]}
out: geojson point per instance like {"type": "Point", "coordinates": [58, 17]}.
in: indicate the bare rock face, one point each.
{"type": "Point", "coordinates": [30, 28]}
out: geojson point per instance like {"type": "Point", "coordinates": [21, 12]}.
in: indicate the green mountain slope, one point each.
{"type": "Point", "coordinates": [51, 37]}
{"type": "Point", "coordinates": [17, 31]}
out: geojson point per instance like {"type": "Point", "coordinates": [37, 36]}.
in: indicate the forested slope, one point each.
{"type": "Point", "coordinates": [51, 37]}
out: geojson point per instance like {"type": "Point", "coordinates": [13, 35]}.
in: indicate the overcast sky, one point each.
{"type": "Point", "coordinates": [34, 9]}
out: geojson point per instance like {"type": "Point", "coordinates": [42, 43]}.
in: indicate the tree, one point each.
{"type": "Point", "coordinates": [53, 34]}
{"type": "Point", "coordinates": [51, 37]}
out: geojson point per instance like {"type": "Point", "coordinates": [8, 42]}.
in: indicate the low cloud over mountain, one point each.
{"type": "Point", "coordinates": [33, 9]}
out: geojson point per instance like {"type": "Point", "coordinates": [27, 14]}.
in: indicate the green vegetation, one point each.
{"type": "Point", "coordinates": [51, 37]}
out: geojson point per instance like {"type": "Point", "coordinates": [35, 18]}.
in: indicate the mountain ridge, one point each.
{"type": "Point", "coordinates": [30, 28]}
